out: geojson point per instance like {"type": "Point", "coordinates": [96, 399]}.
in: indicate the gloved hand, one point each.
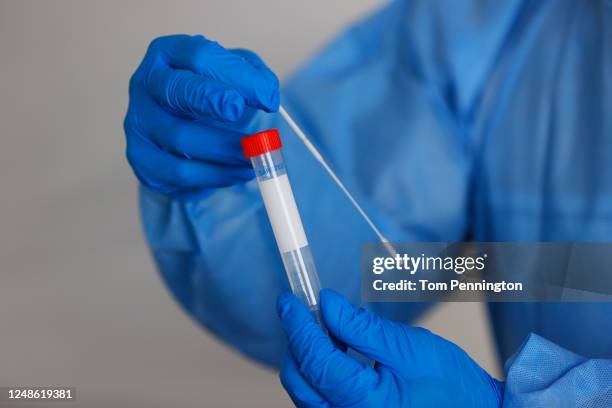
{"type": "Point", "coordinates": [191, 100]}
{"type": "Point", "coordinates": [414, 367]}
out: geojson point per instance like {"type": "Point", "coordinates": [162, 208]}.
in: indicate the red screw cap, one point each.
{"type": "Point", "coordinates": [260, 143]}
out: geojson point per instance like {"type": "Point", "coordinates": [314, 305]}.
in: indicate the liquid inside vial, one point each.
{"type": "Point", "coordinates": [303, 278]}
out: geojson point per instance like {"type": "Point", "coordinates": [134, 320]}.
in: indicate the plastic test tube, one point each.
{"type": "Point", "coordinates": [264, 150]}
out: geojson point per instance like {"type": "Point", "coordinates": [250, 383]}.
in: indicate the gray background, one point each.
{"type": "Point", "coordinates": [80, 301]}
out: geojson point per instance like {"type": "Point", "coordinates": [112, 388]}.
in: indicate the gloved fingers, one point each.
{"type": "Point", "coordinates": [165, 172]}
{"type": "Point", "coordinates": [336, 376]}
{"type": "Point", "coordinates": [369, 334]}
{"type": "Point", "coordinates": [256, 62]}
{"type": "Point", "coordinates": [209, 141]}
{"type": "Point", "coordinates": [185, 93]}
{"type": "Point", "coordinates": [200, 141]}
{"type": "Point", "coordinates": [301, 392]}
{"type": "Point", "coordinates": [255, 82]}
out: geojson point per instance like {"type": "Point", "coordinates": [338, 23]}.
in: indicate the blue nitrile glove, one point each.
{"type": "Point", "coordinates": [190, 103]}
{"type": "Point", "coordinates": [414, 367]}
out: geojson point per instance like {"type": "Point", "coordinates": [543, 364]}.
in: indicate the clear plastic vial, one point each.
{"type": "Point", "coordinates": [264, 150]}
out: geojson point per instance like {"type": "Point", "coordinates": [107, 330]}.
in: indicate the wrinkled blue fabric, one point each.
{"type": "Point", "coordinates": [414, 367]}
{"type": "Point", "coordinates": [483, 120]}
{"type": "Point", "coordinates": [562, 378]}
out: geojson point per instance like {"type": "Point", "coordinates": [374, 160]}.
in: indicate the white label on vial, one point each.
{"type": "Point", "coordinates": [283, 213]}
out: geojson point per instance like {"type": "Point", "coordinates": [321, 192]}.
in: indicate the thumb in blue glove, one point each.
{"type": "Point", "coordinates": [414, 367]}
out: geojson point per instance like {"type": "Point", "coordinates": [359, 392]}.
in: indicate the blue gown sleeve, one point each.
{"type": "Point", "coordinates": [387, 103]}
{"type": "Point", "coordinates": [542, 374]}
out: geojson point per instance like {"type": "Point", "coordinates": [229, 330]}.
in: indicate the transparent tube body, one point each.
{"type": "Point", "coordinates": [288, 230]}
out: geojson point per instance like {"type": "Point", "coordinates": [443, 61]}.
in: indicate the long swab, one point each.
{"type": "Point", "coordinates": [315, 153]}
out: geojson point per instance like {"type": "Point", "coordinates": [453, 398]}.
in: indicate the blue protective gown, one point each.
{"type": "Point", "coordinates": [484, 120]}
